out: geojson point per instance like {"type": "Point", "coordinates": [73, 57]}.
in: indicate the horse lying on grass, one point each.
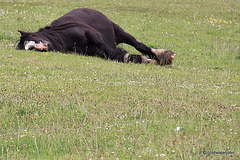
{"type": "Point", "coordinates": [89, 32]}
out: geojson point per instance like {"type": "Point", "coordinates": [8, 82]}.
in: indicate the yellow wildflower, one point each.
{"type": "Point", "coordinates": [220, 20]}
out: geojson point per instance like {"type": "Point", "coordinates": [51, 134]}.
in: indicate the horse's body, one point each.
{"type": "Point", "coordinates": [89, 32]}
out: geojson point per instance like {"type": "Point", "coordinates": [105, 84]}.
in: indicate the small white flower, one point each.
{"type": "Point", "coordinates": [162, 155]}
{"type": "Point", "coordinates": [178, 128]}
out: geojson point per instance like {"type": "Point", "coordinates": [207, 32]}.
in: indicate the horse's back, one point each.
{"type": "Point", "coordinates": [92, 19]}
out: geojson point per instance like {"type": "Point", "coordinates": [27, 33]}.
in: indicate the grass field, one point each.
{"type": "Point", "coordinates": [63, 106]}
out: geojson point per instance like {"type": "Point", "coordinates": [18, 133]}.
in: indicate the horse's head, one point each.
{"type": "Point", "coordinates": [33, 41]}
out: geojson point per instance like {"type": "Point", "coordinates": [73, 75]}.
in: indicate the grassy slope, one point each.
{"type": "Point", "coordinates": [68, 106]}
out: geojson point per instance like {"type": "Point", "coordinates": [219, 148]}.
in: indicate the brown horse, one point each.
{"type": "Point", "coordinates": [89, 32]}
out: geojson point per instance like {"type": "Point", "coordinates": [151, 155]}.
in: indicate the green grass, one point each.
{"type": "Point", "coordinates": [63, 106]}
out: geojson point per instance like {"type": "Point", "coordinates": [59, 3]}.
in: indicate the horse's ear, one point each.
{"type": "Point", "coordinates": [22, 32]}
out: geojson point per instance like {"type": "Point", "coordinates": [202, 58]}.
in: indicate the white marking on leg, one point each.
{"type": "Point", "coordinates": [151, 61]}
{"type": "Point", "coordinates": [144, 59]}
{"type": "Point", "coordinates": [125, 58]}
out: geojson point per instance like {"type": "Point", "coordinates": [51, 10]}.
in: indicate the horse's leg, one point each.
{"type": "Point", "coordinates": [96, 39]}
{"type": "Point", "coordinates": [121, 55]}
{"type": "Point", "coordinates": [123, 37]}
{"type": "Point", "coordinates": [114, 53]}
{"type": "Point", "coordinates": [135, 58]}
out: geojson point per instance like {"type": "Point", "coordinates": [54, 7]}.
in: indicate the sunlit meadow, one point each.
{"type": "Point", "coordinates": [66, 106]}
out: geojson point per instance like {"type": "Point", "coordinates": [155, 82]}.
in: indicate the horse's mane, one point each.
{"type": "Point", "coordinates": [63, 26]}
{"type": "Point", "coordinates": [53, 33]}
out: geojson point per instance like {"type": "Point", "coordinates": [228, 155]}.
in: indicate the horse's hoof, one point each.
{"type": "Point", "coordinates": [163, 57]}
{"type": "Point", "coordinates": [158, 51]}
